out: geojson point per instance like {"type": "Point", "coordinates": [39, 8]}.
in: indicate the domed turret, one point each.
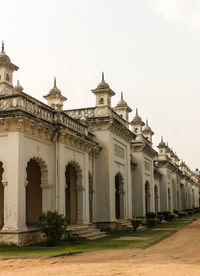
{"type": "Point", "coordinates": [148, 133]}
{"type": "Point", "coordinates": [122, 109]}
{"type": "Point", "coordinates": [6, 73]}
{"type": "Point", "coordinates": [137, 124]}
{"type": "Point", "coordinates": [137, 119]}
{"type": "Point", "coordinates": [55, 89]}
{"type": "Point", "coordinates": [3, 57]}
{"type": "Point", "coordinates": [103, 93]}
{"type": "Point", "coordinates": [161, 144]}
{"type": "Point", "coordinates": [103, 84]}
{"type": "Point", "coordinates": [55, 98]}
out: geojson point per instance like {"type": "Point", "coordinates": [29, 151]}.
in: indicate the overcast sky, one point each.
{"type": "Point", "coordinates": [149, 49]}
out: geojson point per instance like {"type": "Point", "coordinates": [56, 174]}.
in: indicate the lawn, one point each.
{"type": "Point", "coordinates": [107, 243]}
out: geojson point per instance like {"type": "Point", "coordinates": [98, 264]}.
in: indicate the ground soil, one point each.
{"type": "Point", "coordinates": [176, 255]}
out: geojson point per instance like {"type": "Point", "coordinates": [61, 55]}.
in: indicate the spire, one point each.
{"type": "Point", "coordinates": [121, 95]}
{"type": "Point", "coordinates": [147, 122]}
{"type": "Point", "coordinates": [102, 76]}
{"type": "Point", "coordinates": [136, 111]}
{"type": "Point", "coordinates": [54, 81]}
{"type": "Point", "coordinates": [2, 48]}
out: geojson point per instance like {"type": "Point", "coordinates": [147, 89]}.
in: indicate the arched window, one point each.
{"type": "Point", "coordinates": [101, 101]}
{"type": "Point", "coordinates": [136, 130]}
{"type": "Point", "coordinates": [7, 77]}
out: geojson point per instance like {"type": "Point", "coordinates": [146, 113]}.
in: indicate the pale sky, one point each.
{"type": "Point", "coordinates": [149, 49]}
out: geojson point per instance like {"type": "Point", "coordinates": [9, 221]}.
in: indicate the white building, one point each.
{"type": "Point", "coordinates": [84, 163]}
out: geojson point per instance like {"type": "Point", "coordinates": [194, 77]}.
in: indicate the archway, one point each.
{"type": "Point", "coordinates": [71, 202]}
{"type": "Point", "coordinates": [1, 197]}
{"type": "Point", "coordinates": [147, 197]}
{"type": "Point", "coordinates": [33, 192]}
{"type": "Point", "coordinates": [156, 198]}
{"type": "Point", "coordinates": [119, 213]}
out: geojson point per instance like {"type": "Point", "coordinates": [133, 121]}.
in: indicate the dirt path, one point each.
{"type": "Point", "coordinates": [177, 255]}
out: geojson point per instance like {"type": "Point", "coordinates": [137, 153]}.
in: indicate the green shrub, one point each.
{"type": "Point", "coordinates": [181, 214]}
{"type": "Point", "coordinates": [136, 223]}
{"type": "Point", "coordinates": [160, 218]}
{"type": "Point", "coordinates": [176, 212]}
{"type": "Point", "coordinates": [151, 215]}
{"type": "Point", "coordinates": [196, 209]}
{"type": "Point", "coordinates": [164, 213]}
{"type": "Point", "coordinates": [167, 215]}
{"type": "Point", "coordinates": [151, 222]}
{"type": "Point", "coordinates": [189, 211]}
{"type": "Point", "coordinates": [170, 216]}
{"type": "Point", "coordinates": [53, 226]}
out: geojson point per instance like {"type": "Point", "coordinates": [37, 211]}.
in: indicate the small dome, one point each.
{"type": "Point", "coordinates": [161, 144]}
{"type": "Point", "coordinates": [147, 128]}
{"type": "Point", "coordinates": [103, 84]}
{"type": "Point", "coordinates": [137, 119]}
{"type": "Point", "coordinates": [3, 56]}
{"type": "Point", "coordinates": [55, 90]}
{"type": "Point", "coordinates": [18, 87]}
{"type": "Point", "coordinates": [122, 102]}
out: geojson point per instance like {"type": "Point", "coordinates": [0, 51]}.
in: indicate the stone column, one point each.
{"type": "Point", "coordinates": [80, 195]}
{"type": "Point", "coordinates": [15, 190]}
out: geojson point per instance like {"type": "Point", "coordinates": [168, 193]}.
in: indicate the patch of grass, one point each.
{"type": "Point", "coordinates": [107, 243]}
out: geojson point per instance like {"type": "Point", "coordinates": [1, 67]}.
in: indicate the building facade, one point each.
{"type": "Point", "coordinates": [92, 164]}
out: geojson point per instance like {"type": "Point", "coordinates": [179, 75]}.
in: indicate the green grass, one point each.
{"type": "Point", "coordinates": [106, 243]}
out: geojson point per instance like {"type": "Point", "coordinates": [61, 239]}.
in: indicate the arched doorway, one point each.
{"type": "Point", "coordinates": [119, 213]}
{"type": "Point", "coordinates": [1, 197]}
{"type": "Point", "coordinates": [33, 193]}
{"type": "Point", "coordinates": [156, 198]}
{"type": "Point", "coordinates": [71, 194]}
{"type": "Point", "coordinates": [169, 200]}
{"type": "Point", "coordinates": [147, 197]}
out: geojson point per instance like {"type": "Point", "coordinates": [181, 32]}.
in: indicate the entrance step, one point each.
{"type": "Point", "coordinates": [86, 231]}
{"type": "Point", "coordinates": [124, 224]}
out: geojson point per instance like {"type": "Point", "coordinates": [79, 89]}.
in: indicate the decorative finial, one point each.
{"type": "Point", "coordinates": [146, 122]}
{"type": "Point", "coordinates": [102, 76]}
{"type": "Point", "coordinates": [54, 81]}
{"type": "Point", "coordinates": [2, 48]}
{"type": "Point", "coordinates": [161, 138]}
{"type": "Point", "coordinates": [136, 111]}
{"type": "Point", "coordinates": [121, 95]}
{"type": "Point", "coordinates": [17, 82]}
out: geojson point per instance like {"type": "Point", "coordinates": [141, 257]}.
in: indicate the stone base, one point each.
{"type": "Point", "coordinates": [21, 238]}
{"type": "Point", "coordinates": [111, 225]}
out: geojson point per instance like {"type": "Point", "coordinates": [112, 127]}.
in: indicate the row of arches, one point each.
{"type": "Point", "coordinates": [36, 180]}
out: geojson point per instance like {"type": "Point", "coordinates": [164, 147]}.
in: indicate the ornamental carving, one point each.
{"type": "Point", "coordinates": [119, 151]}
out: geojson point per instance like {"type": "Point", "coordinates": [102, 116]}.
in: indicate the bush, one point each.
{"type": "Point", "coordinates": [151, 215]}
{"type": "Point", "coordinates": [190, 211]}
{"type": "Point", "coordinates": [151, 222]}
{"type": "Point", "coordinates": [176, 212]}
{"type": "Point", "coordinates": [167, 215]}
{"type": "Point", "coordinates": [164, 214]}
{"type": "Point", "coordinates": [159, 218]}
{"type": "Point", "coordinates": [136, 223]}
{"type": "Point", "coordinates": [53, 226]}
{"type": "Point", "coordinates": [170, 216]}
{"type": "Point", "coordinates": [181, 214]}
